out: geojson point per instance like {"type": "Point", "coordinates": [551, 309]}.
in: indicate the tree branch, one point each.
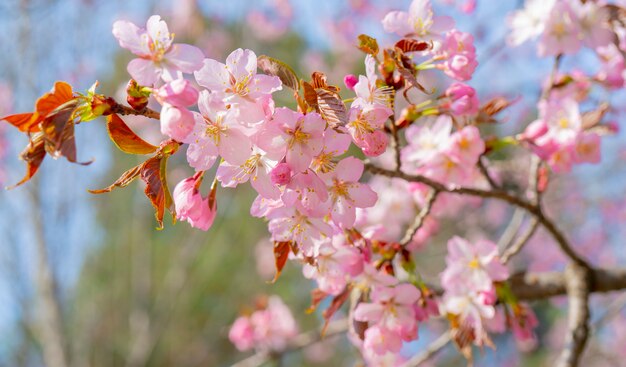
{"type": "Point", "coordinates": [432, 349]}
{"type": "Point", "coordinates": [125, 110]}
{"type": "Point", "coordinates": [421, 216]}
{"type": "Point", "coordinates": [578, 286]}
{"type": "Point", "coordinates": [534, 209]}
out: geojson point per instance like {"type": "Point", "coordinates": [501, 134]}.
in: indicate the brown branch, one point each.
{"type": "Point", "coordinates": [517, 246]}
{"type": "Point", "coordinates": [419, 219]}
{"type": "Point", "coordinates": [534, 209]}
{"type": "Point", "coordinates": [125, 110]}
{"type": "Point", "coordinates": [297, 343]}
{"type": "Point", "coordinates": [395, 142]}
{"type": "Point", "coordinates": [578, 286]}
{"type": "Point", "coordinates": [485, 172]}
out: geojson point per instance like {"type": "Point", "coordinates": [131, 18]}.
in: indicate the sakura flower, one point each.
{"type": "Point", "coordinates": [475, 266]}
{"type": "Point", "coordinates": [426, 140]}
{"type": "Point", "coordinates": [216, 132]}
{"type": "Point", "coordinates": [257, 168]}
{"type": "Point", "coordinates": [459, 54]}
{"type": "Point", "coordinates": [158, 57]}
{"type": "Point", "coordinates": [191, 206]}
{"type": "Point", "coordinates": [471, 313]}
{"type": "Point", "coordinates": [296, 136]}
{"type": "Point", "coordinates": [281, 174]}
{"type": "Point", "coordinates": [587, 148]}
{"type": "Point", "coordinates": [346, 193]}
{"type": "Point", "coordinates": [307, 192]}
{"type": "Point", "coordinates": [288, 224]}
{"type": "Point", "coordinates": [242, 334]}
{"type": "Point", "coordinates": [367, 91]}
{"type": "Point", "coordinates": [381, 341]}
{"type": "Point", "coordinates": [561, 33]}
{"type": "Point", "coordinates": [391, 309]}
{"type": "Point", "coordinates": [237, 79]}
{"type": "Point", "coordinates": [463, 99]}
{"type": "Point", "coordinates": [176, 122]}
{"type": "Point", "coordinates": [594, 24]}
{"type": "Point", "coordinates": [466, 145]}
{"type": "Point", "coordinates": [419, 22]}
{"type": "Point", "coordinates": [335, 263]}
{"type": "Point", "coordinates": [178, 93]}
{"type": "Point", "coordinates": [336, 143]}
{"type": "Point", "coordinates": [529, 22]}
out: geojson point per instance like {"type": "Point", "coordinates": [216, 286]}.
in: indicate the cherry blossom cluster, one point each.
{"type": "Point", "coordinates": [357, 238]}
{"type": "Point", "coordinates": [267, 329]}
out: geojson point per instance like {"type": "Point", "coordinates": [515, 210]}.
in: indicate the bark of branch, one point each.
{"type": "Point", "coordinates": [430, 351]}
{"type": "Point", "coordinates": [147, 112]}
{"type": "Point", "coordinates": [421, 216]}
{"type": "Point", "coordinates": [578, 286]}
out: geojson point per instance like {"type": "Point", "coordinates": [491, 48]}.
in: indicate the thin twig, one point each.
{"type": "Point", "coordinates": [517, 246]}
{"type": "Point", "coordinates": [485, 172]}
{"type": "Point", "coordinates": [395, 142]}
{"type": "Point", "coordinates": [125, 110]}
{"type": "Point", "coordinates": [419, 219]}
{"type": "Point", "coordinates": [430, 351]}
{"type": "Point", "coordinates": [511, 230]}
{"type": "Point", "coordinates": [505, 196]}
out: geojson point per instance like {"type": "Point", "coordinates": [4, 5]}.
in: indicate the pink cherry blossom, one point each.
{"type": "Point", "coordinates": [281, 174]}
{"type": "Point", "coordinates": [176, 122]}
{"type": "Point", "coordinates": [178, 93]}
{"type": "Point", "coordinates": [459, 55]}
{"type": "Point", "coordinates": [307, 192]}
{"type": "Point", "coordinates": [296, 136]}
{"type": "Point", "coordinates": [289, 224]}
{"type": "Point", "coordinates": [237, 79]}
{"type": "Point", "coordinates": [335, 263]}
{"type": "Point", "coordinates": [191, 206]}
{"type": "Point", "coordinates": [475, 266]}
{"type": "Point", "coordinates": [367, 91]}
{"type": "Point", "coordinates": [257, 168]}
{"type": "Point", "coordinates": [463, 99]}
{"type": "Point", "coordinates": [159, 57]}
{"type": "Point", "coordinates": [561, 33]}
{"type": "Point", "coordinates": [346, 193]}
{"type": "Point", "coordinates": [528, 23]}
{"type": "Point", "coordinates": [594, 24]}
{"type": "Point", "coordinates": [466, 145]}
{"type": "Point", "coordinates": [336, 142]}
{"type": "Point", "coordinates": [216, 132]}
{"type": "Point", "coordinates": [419, 22]}
{"type": "Point", "coordinates": [242, 334]}
{"type": "Point", "coordinates": [350, 81]}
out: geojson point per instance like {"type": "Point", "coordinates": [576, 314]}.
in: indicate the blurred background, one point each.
{"type": "Point", "coordinates": [89, 275]}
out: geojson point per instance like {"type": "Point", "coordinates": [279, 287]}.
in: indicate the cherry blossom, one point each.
{"type": "Point", "coordinates": [159, 57]}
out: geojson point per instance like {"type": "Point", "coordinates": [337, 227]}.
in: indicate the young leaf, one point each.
{"type": "Point", "coordinates": [33, 155]}
{"type": "Point", "coordinates": [125, 179]}
{"type": "Point", "coordinates": [125, 139]}
{"type": "Point", "coordinates": [25, 122]}
{"type": "Point", "coordinates": [310, 96]}
{"type": "Point", "coordinates": [332, 108]}
{"type": "Point", "coordinates": [335, 305]}
{"type": "Point", "coordinates": [281, 253]}
{"type": "Point", "coordinates": [155, 188]}
{"type": "Point", "coordinates": [278, 68]}
{"type": "Point", "coordinates": [368, 45]}
{"type": "Point", "coordinates": [411, 45]}
{"type": "Point", "coordinates": [58, 131]}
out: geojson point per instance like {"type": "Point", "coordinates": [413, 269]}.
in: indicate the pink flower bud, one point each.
{"type": "Point", "coordinates": [177, 123]}
{"type": "Point", "coordinates": [178, 93]}
{"type": "Point", "coordinates": [281, 174]}
{"type": "Point", "coordinates": [375, 144]}
{"type": "Point", "coordinates": [535, 130]}
{"type": "Point", "coordinates": [488, 297]}
{"type": "Point", "coordinates": [350, 81]}
{"type": "Point", "coordinates": [242, 334]}
{"type": "Point", "coordinates": [464, 99]}
{"type": "Point", "coordinates": [191, 206]}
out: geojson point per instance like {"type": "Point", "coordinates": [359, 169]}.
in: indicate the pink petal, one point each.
{"type": "Point", "coordinates": [235, 147]}
{"type": "Point", "coordinates": [185, 57]}
{"type": "Point", "coordinates": [213, 75]}
{"type": "Point", "coordinates": [130, 37]}
{"type": "Point", "coordinates": [397, 22]}
{"type": "Point", "coordinates": [349, 169]}
{"type": "Point", "coordinates": [264, 84]}
{"type": "Point", "coordinates": [264, 186]}
{"type": "Point", "coordinates": [299, 158]}
{"type": "Point", "coordinates": [241, 63]}
{"type": "Point", "coordinates": [144, 71]}
{"type": "Point", "coordinates": [362, 195]}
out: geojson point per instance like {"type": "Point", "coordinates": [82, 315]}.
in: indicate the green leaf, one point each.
{"type": "Point", "coordinates": [368, 45]}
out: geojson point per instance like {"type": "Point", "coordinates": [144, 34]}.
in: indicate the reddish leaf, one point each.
{"type": "Point", "coordinates": [411, 45]}
{"type": "Point", "coordinates": [58, 131]}
{"type": "Point", "coordinates": [125, 179]}
{"type": "Point", "coordinates": [33, 155]}
{"type": "Point", "coordinates": [61, 93]}
{"type": "Point", "coordinates": [335, 305]}
{"type": "Point", "coordinates": [155, 188]}
{"type": "Point", "coordinates": [368, 44]}
{"type": "Point", "coordinates": [25, 122]}
{"type": "Point", "coordinates": [125, 139]}
{"type": "Point", "coordinates": [278, 68]}
{"type": "Point", "coordinates": [317, 296]}
{"type": "Point", "coordinates": [310, 96]}
{"type": "Point", "coordinates": [281, 254]}
{"type": "Point", "coordinates": [332, 108]}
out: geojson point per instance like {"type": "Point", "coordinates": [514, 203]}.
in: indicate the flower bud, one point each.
{"type": "Point", "coordinates": [350, 81]}
{"type": "Point", "coordinates": [281, 174]}
{"type": "Point", "coordinates": [177, 123]}
{"type": "Point", "coordinates": [178, 93]}
{"type": "Point", "coordinates": [137, 96]}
